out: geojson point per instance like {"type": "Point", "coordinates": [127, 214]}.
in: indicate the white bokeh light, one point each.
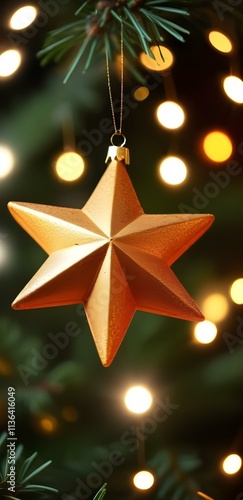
{"type": "Point", "coordinates": [232, 464]}
{"type": "Point", "coordinates": [138, 399]}
{"type": "Point", "coordinates": [173, 170]}
{"type": "Point", "coordinates": [9, 62]}
{"type": "Point", "coordinates": [6, 161]}
{"type": "Point", "coordinates": [23, 17]}
{"type": "Point", "coordinates": [143, 480]}
{"type": "Point", "coordinates": [170, 114]}
{"type": "Point", "coordinates": [205, 332]}
{"type": "Point", "coordinates": [233, 87]}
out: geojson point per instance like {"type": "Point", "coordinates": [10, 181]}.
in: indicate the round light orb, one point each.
{"type": "Point", "coordinates": [233, 87]}
{"type": "Point", "coordinates": [48, 424]}
{"type": "Point", "coordinates": [170, 114]}
{"type": "Point", "coordinates": [9, 62]}
{"type": "Point", "coordinates": [236, 291]}
{"type": "Point", "coordinates": [232, 464]}
{"type": "Point", "coordinates": [173, 170]}
{"type": "Point", "coordinates": [163, 58]}
{"type": "Point", "coordinates": [138, 399]}
{"type": "Point", "coordinates": [23, 17]}
{"type": "Point", "coordinates": [143, 480]}
{"type": "Point", "coordinates": [205, 332]}
{"type": "Point", "coordinates": [141, 93]}
{"type": "Point", "coordinates": [220, 41]}
{"type": "Point", "coordinates": [217, 146]}
{"type": "Point", "coordinates": [69, 166]}
{"type": "Point", "coordinates": [215, 307]}
{"type": "Point", "coordinates": [6, 161]}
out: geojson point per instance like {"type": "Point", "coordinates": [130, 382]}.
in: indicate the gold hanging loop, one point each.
{"type": "Point", "coordinates": [117, 151]}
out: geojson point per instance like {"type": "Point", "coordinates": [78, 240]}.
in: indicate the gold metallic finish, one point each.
{"type": "Point", "coordinates": [118, 153]}
{"type": "Point", "coordinates": [111, 257]}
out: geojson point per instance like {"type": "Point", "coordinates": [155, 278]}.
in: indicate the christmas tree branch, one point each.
{"type": "Point", "coordinates": [98, 29]}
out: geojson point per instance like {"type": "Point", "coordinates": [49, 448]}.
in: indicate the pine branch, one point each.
{"type": "Point", "coordinates": [21, 477]}
{"type": "Point", "coordinates": [145, 23]}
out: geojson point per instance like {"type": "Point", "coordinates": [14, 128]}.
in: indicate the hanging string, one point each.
{"type": "Point", "coordinates": [118, 131]}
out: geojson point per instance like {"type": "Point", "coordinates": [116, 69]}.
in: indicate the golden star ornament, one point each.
{"type": "Point", "coordinates": [110, 256]}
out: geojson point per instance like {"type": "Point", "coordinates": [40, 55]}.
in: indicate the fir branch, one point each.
{"type": "Point", "coordinates": [98, 27]}
{"type": "Point", "coordinates": [21, 477]}
{"type": "Point", "coordinates": [101, 493]}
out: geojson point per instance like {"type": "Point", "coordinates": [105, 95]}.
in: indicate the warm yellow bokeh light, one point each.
{"type": "Point", "coordinates": [69, 166]}
{"type": "Point", "coordinates": [163, 58]}
{"type": "Point", "coordinates": [23, 17]}
{"type": "Point", "coordinates": [232, 464]}
{"type": "Point", "coordinates": [143, 480]}
{"type": "Point", "coordinates": [6, 161]}
{"type": "Point", "coordinates": [215, 307]}
{"type": "Point", "coordinates": [233, 87]}
{"type": "Point", "coordinates": [170, 114]}
{"type": "Point", "coordinates": [236, 291]}
{"type": "Point", "coordinates": [138, 399]}
{"type": "Point", "coordinates": [220, 41]}
{"type": "Point", "coordinates": [9, 62]}
{"type": "Point", "coordinates": [173, 170]}
{"type": "Point", "coordinates": [48, 424]}
{"type": "Point", "coordinates": [141, 93]}
{"type": "Point", "coordinates": [205, 332]}
{"type": "Point", "coordinates": [217, 146]}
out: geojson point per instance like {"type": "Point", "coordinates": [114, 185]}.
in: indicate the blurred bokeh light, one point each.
{"type": "Point", "coordinates": [23, 17]}
{"type": "Point", "coordinates": [217, 146]}
{"type": "Point", "coordinates": [170, 114]}
{"type": "Point", "coordinates": [173, 170]}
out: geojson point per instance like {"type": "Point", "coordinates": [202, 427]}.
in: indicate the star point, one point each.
{"type": "Point", "coordinates": [94, 252]}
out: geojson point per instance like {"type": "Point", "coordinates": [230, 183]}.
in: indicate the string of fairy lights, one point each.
{"type": "Point", "coordinates": [70, 165]}
{"type": "Point", "coordinates": [217, 145]}
{"type": "Point", "coordinates": [138, 400]}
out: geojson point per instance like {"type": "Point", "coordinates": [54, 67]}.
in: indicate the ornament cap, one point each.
{"type": "Point", "coordinates": [118, 153]}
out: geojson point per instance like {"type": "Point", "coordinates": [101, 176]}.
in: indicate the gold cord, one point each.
{"type": "Point", "coordinates": [118, 131]}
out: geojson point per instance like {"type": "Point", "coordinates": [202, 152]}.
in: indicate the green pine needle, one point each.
{"type": "Point", "coordinates": [26, 465]}
{"type": "Point", "coordinates": [22, 477]}
{"type": "Point", "coordinates": [36, 471]}
{"type": "Point", "coordinates": [77, 58]}
{"type": "Point", "coordinates": [34, 487]}
{"type": "Point", "coordinates": [101, 493]}
{"type": "Point", "coordinates": [143, 25]}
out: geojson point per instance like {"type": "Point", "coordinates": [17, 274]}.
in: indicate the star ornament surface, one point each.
{"type": "Point", "coordinates": [110, 256]}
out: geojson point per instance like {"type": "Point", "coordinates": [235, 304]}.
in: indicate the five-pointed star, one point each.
{"type": "Point", "coordinates": [110, 256]}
